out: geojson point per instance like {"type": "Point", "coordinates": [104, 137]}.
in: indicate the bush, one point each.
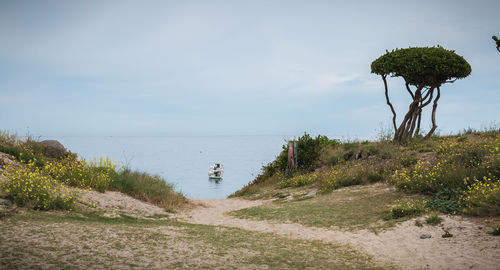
{"type": "Point", "coordinates": [374, 176]}
{"type": "Point", "coordinates": [434, 220]}
{"type": "Point", "coordinates": [308, 154]}
{"type": "Point", "coordinates": [407, 208]}
{"type": "Point", "coordinates": [482, 198]}
{"type": "Point", "coordinates": [77, 173]}
{"type": "Point", "coordinates": [429, 178]}
{"type": "Point", "coordinates": [308, 151]}
{"type": "Point", "coordinates": [299, 180]}
{"type": "Point", "coordinates": [496, 230]}
{"type": "Point", "coordinates": [446, 201]}
{"type": "Point", "coordinates": [30, 188]}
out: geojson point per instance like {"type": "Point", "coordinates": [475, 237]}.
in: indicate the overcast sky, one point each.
{"type": "Point", "coordinates": [158, 68]}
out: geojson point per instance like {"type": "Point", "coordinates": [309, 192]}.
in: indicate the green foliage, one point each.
{"type": "Point", "coordinates": [78, 173]}
{"type": "Point", "coordinates": [446, 201]}
{"type": "Point", "coordinates": [407, 208]}
{"type": "Point", "coordinates": [497, 42]}
{"type": "Point", "coordinates": [308, 151]}
{"type": "Point", "coordinates": [375, 176]}
{"type": "Point", "coordinates": [482, 198]}
{"type": "Point", "coordinates": [147, 188]}
{"type": "Point", "coordinates": [464, 176]}
{"type": "Point", "coordinates": [422, 66]}
{"type": "Point", "coordinates": [433, 220]}
{"type": "Point", "coordinates": [496, 230]}
{"type": "Point", "coordinates": [308, 154]}
{"type": "Point", "coordinates": [27, 186]}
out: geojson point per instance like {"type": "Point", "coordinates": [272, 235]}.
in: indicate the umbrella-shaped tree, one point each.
{"type": "Point", "coordinates": [497, 41]}
{"type": "Point", "coordinates": [424, 70]}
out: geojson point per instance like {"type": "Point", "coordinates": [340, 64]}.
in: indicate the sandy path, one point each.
{"type": "Point", "coordinates": [469, 248]}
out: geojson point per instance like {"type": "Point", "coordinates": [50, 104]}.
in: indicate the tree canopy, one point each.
{"type": "Point", "coordinates": [422, 66]}
{"type": "Point", "coordinates": [425, 68]}
{"type": "Point", "coordinates": [497, 41]}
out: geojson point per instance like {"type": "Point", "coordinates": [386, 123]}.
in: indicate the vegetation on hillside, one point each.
{"type": "Point", "coordinates": [42, 182]}
{"type": "Point", "coordinates": [456, 174]}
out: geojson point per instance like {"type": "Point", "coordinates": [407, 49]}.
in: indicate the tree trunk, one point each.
{"type": "Point", "coordinates": [434, 107]}
{"type": "Point", "coordinates": [404, 132]}
{"type": "Point", "coordinates": [417, 131]}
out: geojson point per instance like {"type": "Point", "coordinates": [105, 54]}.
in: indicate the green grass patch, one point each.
{"type": "Point", "coordinates": [349, 208]}
{"type": "Point", "coordinates": [433, 220]}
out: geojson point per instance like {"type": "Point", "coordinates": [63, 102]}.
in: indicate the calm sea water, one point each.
{"type": "Point", "coordinates": [185, 161]}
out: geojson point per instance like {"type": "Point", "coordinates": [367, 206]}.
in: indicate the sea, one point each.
{"type": "Point", "coordinates": [185, 161]}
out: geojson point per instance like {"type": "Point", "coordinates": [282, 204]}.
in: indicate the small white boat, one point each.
{"type": "Point", "coordinates": [216, 171]}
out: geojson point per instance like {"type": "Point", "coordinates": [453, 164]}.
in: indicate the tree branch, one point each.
{"type": "Point", "coordinates": [434, 107]}
{"type": "Point", "coordinates": [389, 103]}
{"type": "Point", "coordinates": [425, 103]}
{"type": "Point", "coordinates": [409, 90]}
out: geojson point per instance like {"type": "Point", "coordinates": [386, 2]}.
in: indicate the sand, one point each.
{"type": "Point", "coordinates": [116, 203]}
{"type": "Point", "coordinates": [469, 248]}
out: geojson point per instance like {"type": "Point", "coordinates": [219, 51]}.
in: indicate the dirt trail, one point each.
{"type": "Point", "coordinates": [469, 248]}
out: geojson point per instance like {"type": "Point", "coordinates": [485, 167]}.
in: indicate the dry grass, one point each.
{"type": "Point", "coordinates": [59, 241]}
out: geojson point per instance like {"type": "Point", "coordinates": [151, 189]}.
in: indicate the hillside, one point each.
{"type": "Point", "coordinates": [456, 174]}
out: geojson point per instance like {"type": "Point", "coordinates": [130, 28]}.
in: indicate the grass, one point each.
{"type": "Point", "coordinates": [73, 241]}
{"type": "Point", "coordinates": [433, 220]}
{"type": "Point", "coordinates": [145, 187]}
{"type": "Point", "coordinates": [360, 207]}
{"type": "Point", "coordinates": [459, 173]}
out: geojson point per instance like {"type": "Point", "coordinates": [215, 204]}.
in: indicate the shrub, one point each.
{"type": "Point", "coordinates": [433, 220]}
{"type": "Point", "coordinates": [407, 208]}
{"type": "Point", "coordinates": [342, 176]}
{"type": "Point", "coordinates": [308, 151]}
{"type": "Point", "coordinates": [375, 176]}
{"type": "Point", "coordinates": [496, 230]}
{"type": "Point", "coordinates": [299, 180]}
{"type": "Point", "coordinates": [429, 178]}
{"type": "Point", "coordinates": [446, 201]}
{"type": "Point", "coordinates": [371, 151]}
{"type": "Point", "coordinates": [77, 173]}
{"type": "Point", "coordinates": [482, 198]}
{"type": "Point", "coordinates": [35, 190]}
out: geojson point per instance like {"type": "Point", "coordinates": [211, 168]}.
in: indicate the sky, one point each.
{"type": "Point", "coordinates": [208, 68]}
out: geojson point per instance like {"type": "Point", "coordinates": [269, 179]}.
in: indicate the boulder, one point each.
{"type": "Point", "coordinates": [6, 159]}
{"type": "Point", "coordinates": [54, 148]}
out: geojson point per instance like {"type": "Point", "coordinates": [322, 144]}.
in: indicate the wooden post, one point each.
{"type": "Point", "coordinates": [292, 155]}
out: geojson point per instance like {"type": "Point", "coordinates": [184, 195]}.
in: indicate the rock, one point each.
{"type": "Point", "coordinates": [425, 236]}
{"type": "Point", "coordinates": [54, 148]}
{"type": "Point", "coordinates": [358, 154]}
{"type": "Point", "coordinates": [6, 203]}
{"type": "Point", "coordinates": [6, 160]}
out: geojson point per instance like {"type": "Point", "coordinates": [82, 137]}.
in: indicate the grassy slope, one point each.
{"type": "Point", "coordinates": [368, 206]}
{"type": "Point", "coordinates": [357, 207]}
{"type": "Point", "coordinates": [50, 240]}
